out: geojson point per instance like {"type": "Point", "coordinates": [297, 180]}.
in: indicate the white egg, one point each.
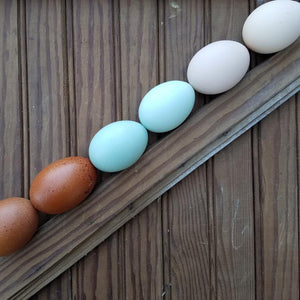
{"type": "Point", "coordinates": [218, 67]}
{"type": "Point", "coordinates": [166, 106]}
{"type": "Point", "coordinates": [272, 26]}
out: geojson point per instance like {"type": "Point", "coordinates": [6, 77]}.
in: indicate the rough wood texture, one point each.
{"type": "Point", "coordinates": [46, 74]}
{"type": "Point", "coordinates": [11, 132]}
{"type": "Point", "coordinates": [185, 219]}
{"type": "Point", "coordinates": [139, 72]}
{"type": "Point", "coordinates": [279, 204]}
{"type": "Point", "coordinates": [136, 73]}
{"type": "Point", "coordinates": [47, 101]}
{"type": "Point", "coordinates": [228, 230]}
{"type": "Point", "coordinates": [232, 185]}
{"type": "Point", "coordinates": [187, 226]}
{"type": "Point", "coordinates": [96, 61]}
{"type": "Point", "coordinates": [66, 238]}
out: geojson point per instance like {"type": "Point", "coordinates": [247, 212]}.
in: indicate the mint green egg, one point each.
{"type": "Point", "coordinates": [166, 106]}
{"type": "Point", "coordinates": [118, 145]}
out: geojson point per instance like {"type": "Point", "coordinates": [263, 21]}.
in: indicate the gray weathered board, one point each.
{"type": "Point", "coordinates": [66, 238]}
{"type": "Point", "coordinates": [229, 230]}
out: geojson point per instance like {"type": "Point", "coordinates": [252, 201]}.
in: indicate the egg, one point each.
{"type": "Point", "coordinates": [166, 106]}
{"type": "Point", "coordinates": [18, 222]}
{"type": "Point", "coordinates": [63, 184]}
{"type": "Point", "coordinates": [118, 145]}
{"type": "Point", "coordinates": [218, 67]}
{"type": "Point", "coordinates": [272, 26]}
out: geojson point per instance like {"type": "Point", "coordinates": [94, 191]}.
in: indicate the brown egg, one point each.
{"type": "Point", "coordinates": [63, 184]}
{"type": "Point", "coordinates": [18, 222]}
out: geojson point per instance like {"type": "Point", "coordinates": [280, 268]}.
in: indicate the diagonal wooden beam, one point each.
{"type": "Point", "coordinates": [68, 237]}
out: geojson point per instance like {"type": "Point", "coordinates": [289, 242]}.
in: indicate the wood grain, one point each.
{"type": "Point", "coordinates": [132, 64]}
{"type": "Point", "coordinates": [254, 61]}
{"type": "Point", "coordinates": [43, 37]}
{"type": "Point", "coordinates": [95, 55]}
{"type": "Point", "coordinates": [233, 200]}
{"type": "Point", "coordinates": [232, 185]}
{"type": "Point", "coordinates": [143, 255]}
{"type": "Point", "coordinates": [94, 69]}
{"type": "Point", "coordinates": [279, 204]}
{"type": "Point", "coordinates": [185, 213]}
{"type": "Point", "coordinates": [47, 101]}
{"type": "Point", "coordinates": [138, 74]}
{"type": "Point", "coordinates": [68, 237]}
{"type": "Point", "coordinates": [47, 104]}
{"type": "Point", "coordinates": [59, 289]}
{"type": "Point", "coordinates": [276, 236]}
{"type": "Point", "coordinates": [188, 228]}
{"type": "Point", "coordinates": [100, 274]}
{"type": "Point", "coordinates": [11, 130]}
{"type": "Point", "coordinates": [109, 271]}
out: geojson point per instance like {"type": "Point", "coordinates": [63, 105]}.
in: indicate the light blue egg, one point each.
{"type": "Point", "coordinates": [118, 145]}
{"type": "Point", "coordinates": [166, 106]}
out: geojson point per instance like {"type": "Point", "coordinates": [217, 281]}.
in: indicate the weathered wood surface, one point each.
{"type": "Point", "coordinates": [218, 233]}
{"type": "Point", "coordinates": [231, 178]}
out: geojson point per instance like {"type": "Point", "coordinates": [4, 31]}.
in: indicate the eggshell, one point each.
{"type": "Point", "coordinates": [272, 26]}
{"type": "Point", "coordinates": [166, 106]}
{"type": "Point", "coordinates": [63, 184]}
{"type": "Point", "coordinates": [18, 222]}
{"type": "Point", "coordinates": [118, 145]}
{"type": "Point", "coordinates": [218, 67]}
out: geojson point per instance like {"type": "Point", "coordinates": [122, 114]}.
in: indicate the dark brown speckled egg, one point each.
{"type": "Point", "coordinates": [18, 222]}
{"type": "Point", "coordinates": [63, 184]}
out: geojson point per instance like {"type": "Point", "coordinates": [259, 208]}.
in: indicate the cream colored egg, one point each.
{"type": "Point", "coordinates": [218, 67]}
{"type": "Point", "coordinates": [272, 26]}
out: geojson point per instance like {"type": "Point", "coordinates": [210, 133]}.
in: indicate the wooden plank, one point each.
{"type": "Point", "coordinates": [275, 240]}
{"type": "Point", "coordinates": [60, 288]}
{"type": "Point", "coordinates": [234, 233]}
{"type": "Point", "coordinates": [232, 185]}
{"type": "Point", "coordinates": [68, 237]}
{"type": "Point", "coordinates": [100, 275]}
{"type": "Point", "coordinates": [143, 255]}
{"type": "Point", "coordinates": [139, 73]}
{"type": "Point", "coordinates": [43, 38]}
{"type": "Point", "coordinates": [278, 203]}
{"type": "Point", "coordinates": [93, 67]}
{"type": "Point", "coordinates": [138, 54]}
{"type": "Point", "coordinates": [178, 31]}
{"type": "Point", "coordinates": [11, 131]}
{"type": "Point", "coordinates": [48, 106]}
{"type": "Point", "coordinates": [256, 59]}
{"type": "Point", "coordinates": [185, 213]}
{"type": "Point", "coordinates": [188, 229]}
{"type": "Point", "coordinates": [136, 79]}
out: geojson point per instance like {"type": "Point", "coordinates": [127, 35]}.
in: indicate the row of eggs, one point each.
{"type": "Point", "coordinates": [214, 69]}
